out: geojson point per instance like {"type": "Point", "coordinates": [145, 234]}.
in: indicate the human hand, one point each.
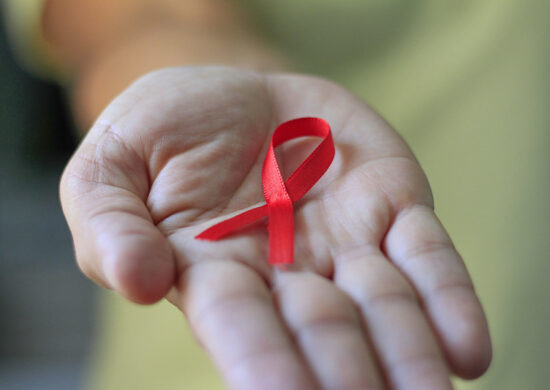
{"type": "Point", "coordinates": [378, 296]}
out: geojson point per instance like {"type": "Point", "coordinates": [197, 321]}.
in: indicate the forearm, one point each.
{"type": "Point", "coordinates": [136, 37]}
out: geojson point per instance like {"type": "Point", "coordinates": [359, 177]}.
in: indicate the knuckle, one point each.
{"type": "Point", "coordinates": [396, 295]}
{"type": "Point", "coordinates": [325, 323]}
{"type": "Point", "coordinates": [428, 362]}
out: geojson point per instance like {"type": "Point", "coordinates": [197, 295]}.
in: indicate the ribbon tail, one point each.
{"type": "Point", "coordinates": [239, 221]}
{"type": "Point", "coordinates": [281, 232]}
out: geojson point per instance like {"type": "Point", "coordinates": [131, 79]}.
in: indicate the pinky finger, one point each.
{"type": "Point", "coordinates": [419, 246]}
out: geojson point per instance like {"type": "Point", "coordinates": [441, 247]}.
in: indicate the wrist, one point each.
{"type": "Point", "coordinates": [156, 46]}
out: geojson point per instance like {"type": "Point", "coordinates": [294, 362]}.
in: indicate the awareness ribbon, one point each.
{"type": "Point", "coordinates": [280, 195]}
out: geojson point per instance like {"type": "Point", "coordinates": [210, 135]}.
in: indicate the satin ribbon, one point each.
{"type": "Point", "coordinates": [279, 194]}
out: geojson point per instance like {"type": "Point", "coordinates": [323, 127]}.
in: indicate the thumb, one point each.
{"type": "Point", "coordinates": [103, 192]}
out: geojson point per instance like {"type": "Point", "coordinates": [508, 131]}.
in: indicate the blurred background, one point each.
{"type": "Point", "coordinates": [46, 305]}
{"type": "Point", "coordinates": [465, 82]}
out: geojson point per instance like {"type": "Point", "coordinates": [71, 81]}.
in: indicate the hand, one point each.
{"type": "Point", "coordinates": [378, 296]}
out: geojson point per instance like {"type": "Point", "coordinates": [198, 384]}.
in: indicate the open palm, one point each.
{"type": "Point", "coordinates": [378, 297]}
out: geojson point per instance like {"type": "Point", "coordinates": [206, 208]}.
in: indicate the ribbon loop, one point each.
{"type": "Point", "coordinates": [281, 195]}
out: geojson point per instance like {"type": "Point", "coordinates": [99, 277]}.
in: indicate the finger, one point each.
{"type": "Point", "coordinates": [116, 243]}
{"type": "Point", "coordinates": [418, 244]}
{"type": "Point", "coordinates": [400, 334]}
{"type": "Point", "coordinates": [328, 330]}
{"type": "Point", "coordinates": [231, 312]}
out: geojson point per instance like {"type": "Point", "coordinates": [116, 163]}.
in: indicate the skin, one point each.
{"type": "Point", "coordinates": [378, 296]}
{"type": "Point", "coordinates": [105, 45]}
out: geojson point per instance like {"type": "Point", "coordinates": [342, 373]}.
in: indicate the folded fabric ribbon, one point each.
{"type": "Point", "coordinates": [280, 195]}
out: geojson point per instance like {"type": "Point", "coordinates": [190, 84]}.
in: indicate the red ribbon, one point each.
{"type": "Point", "coordinates": [280, 195]}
